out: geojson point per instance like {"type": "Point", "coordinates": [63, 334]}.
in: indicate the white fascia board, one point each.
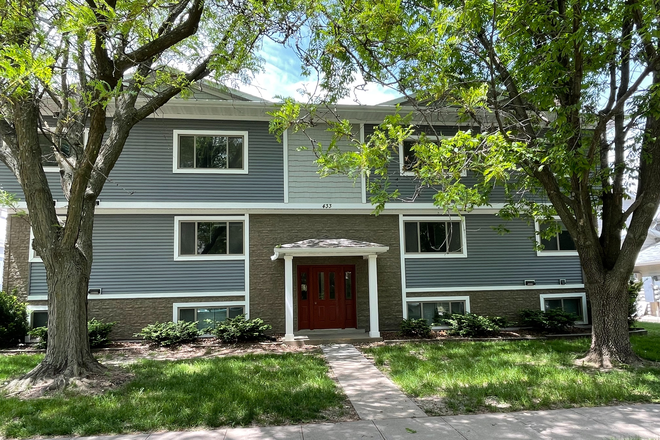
{"type": "Point", "coordinates": [330, 252]}
{"type": "Point", "coordinates": [482, 288]}
{"type": "Point", "coordinates": [211, 208]}
{"type": "Point", "coordinates": [150, 295]}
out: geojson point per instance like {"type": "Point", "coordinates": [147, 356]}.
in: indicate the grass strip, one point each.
{"type": "Point", "coordinates": [175, 395]}
{"type": "Point", "coordinates": [468, 377]}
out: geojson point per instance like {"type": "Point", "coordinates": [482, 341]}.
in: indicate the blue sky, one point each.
{"type": "Point", "coordinates": [281, 77]}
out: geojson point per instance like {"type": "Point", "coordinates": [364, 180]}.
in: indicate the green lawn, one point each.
{"type": "Point", "coordinates": [166, 395]}
{"type": "Point", "coordinates": [517, 375]}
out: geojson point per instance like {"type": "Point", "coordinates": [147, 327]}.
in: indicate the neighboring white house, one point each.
{"type": "Point", "coordinates": [647, 267]}
{"type": "Point", "coordinates": [3, 230]}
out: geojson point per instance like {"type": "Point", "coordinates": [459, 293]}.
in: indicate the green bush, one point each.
{"type": "Point", "coordinates": [240, 329]}
{"type": "Point", "coordinates": [42, 334]}
{"type": "Point", "coordinates": [417, 328]}
{"type": "Point", "coordinates": [499, 321]}
{"type": "Point", "coordinates": [170, 333]}
{"type": "Point", "coordinates": [634, 287]}
{"type": "Point", "coordinates": [471, 325]}
{"type": "Point", "coordinates": [13, 320]}
{"type": "Point", "coordinates": [552, 321]}
{"type": "Point", "coordinates": [98, 331]}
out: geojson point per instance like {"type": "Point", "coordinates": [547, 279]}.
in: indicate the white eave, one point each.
{"type": "Point", "coordinates": [340, 247]}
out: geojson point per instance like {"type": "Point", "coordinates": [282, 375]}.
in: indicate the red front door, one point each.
{"type": "Point", "coordinates": [326, 297]}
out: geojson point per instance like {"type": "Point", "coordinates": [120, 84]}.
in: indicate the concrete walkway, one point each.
{"type": "Point", "coordinates": [373, 395]}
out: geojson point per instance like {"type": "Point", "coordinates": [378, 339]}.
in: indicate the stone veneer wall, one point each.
{"type": "Point", "coordinates": [506, 303]}
{"type": "Point", "coordinates": [16, 270]}
{"type": "Point", "coordinates": [267, 276]}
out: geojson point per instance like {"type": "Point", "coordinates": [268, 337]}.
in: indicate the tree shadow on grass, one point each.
{"type": "Point", "coordinates": [260, 389]}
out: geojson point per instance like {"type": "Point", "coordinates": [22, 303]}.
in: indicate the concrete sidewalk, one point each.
{"type": "Point", "coordinates": [612, 422]}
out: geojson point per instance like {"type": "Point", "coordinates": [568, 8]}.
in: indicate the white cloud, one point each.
{"type": "Point", "coordinates": [281, 77]}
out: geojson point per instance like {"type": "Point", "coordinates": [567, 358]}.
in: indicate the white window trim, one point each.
{"type": "Point", "coordinates": [177, 239]}
{"type": "Point", "coordinates": [582, 296]}
{"type": "Point", "coordinates": [32, 255]}
{"type": "Point", "coordinates": [415, 138]}
{"type": "Point", "coordinates": [195, 305]}
{"type": "Point", "coordinates": [57, 169]}
{"type": "Point", "coordinates": [175, 163]}
{"type": "Point", "coordinates": [30, 309]}
{"type": "Point", "coordinates": [549, 253]}
{"type": "Point", "coordinates": [462, 254]}
{"type": "Point", "coordinates": [424, 299]}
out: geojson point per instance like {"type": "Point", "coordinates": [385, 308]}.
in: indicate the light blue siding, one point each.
{"type": "Point", "coordinates": [305, 184]}
{"type": "Point", "coordinates": [135, 254]}
{"type": "Point", "coordinates": [144, 170]}
{"type": "Point", "coordinates": [408, 184]}
{"type": "Point", "coordinates": [494, 260]}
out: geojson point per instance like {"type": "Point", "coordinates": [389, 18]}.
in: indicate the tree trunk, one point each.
{"type": "Point", "coordinates": [68, 353]}
{"type": "Point", "coordinates": [610, 339]}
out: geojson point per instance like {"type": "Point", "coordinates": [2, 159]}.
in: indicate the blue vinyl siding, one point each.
{"type": "Point", "coordinates": [135, 254]}
{"type": "Point", "coordinates": [143, 172]}
{"type": "Point", "coordinates": [407, 184]}
{"type": "Point", "coordinates": [493, 260]}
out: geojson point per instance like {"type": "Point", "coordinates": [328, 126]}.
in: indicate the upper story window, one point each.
{"type": "Point", "coordinates": [408, 158]}
{"type": "Point", "coordinates": [209, 238]}
{"type": "Point", "coordinates": [560, 244]}
{"type": "Point", "coordinates": [426, 238]}
{"type": "Point", "coordinates": [210, 151]}
{"type": "Point", "coordinates": [48, 160]}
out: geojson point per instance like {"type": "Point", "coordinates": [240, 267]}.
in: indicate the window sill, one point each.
{"type": "Point", "coordinates": [556, 253]}
{"type": "Point", "coordinates": [207, 171]}
{"type": "Point", "coordinates": [434, 255]}
{"type": "Point", "coordinates": [210, 258]}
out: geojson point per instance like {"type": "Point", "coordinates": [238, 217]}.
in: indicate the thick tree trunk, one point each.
{"type": "Point", "coordinates": [68, 354]}
{"type": "Point", "coordinates": [610, 339]}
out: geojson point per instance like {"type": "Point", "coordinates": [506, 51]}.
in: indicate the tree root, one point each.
{"type": "Point", "coordinates": [89, 384]}
{"type": "Point", "coordinates": [604, 360]}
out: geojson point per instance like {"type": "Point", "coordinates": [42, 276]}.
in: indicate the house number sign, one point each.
{"type": "Point", "coordinates": [327, 205]}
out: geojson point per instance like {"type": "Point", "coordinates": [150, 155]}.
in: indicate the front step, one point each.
{"type": "Point", "coordinates": [332, 336]}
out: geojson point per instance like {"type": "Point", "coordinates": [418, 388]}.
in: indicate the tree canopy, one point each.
{"type": "Point", "coordinates": [562, 103]}
{"type": "Point", "coordinates": [80, 74]}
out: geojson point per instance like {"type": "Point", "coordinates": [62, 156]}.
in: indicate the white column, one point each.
{"type": "Point", "coordinates": [373, 298]}
{"type": "Point", "coordinates": [288, 297]}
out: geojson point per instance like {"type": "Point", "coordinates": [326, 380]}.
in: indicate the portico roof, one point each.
{"type": "Point", "coordinates": [339, 247]}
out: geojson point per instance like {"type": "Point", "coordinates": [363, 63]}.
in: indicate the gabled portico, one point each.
{"type": "Point", "coordinates": [329, 248]}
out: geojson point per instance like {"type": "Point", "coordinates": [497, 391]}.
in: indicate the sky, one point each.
{"type": "Point", "coordinates": [281, 77]}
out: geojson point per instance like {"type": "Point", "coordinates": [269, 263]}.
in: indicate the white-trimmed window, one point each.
{"type": "Point", "coordinates": [210, 238]}
{"type": "Point", "coordinates": [210, 151]}
{"type": "Point", "coordinates": [434, 238]}
{"type": "Point", "coordinates": [575, 303]}
{"type": "Point", "coordinates": [433, 309]}
{"type": "Point", "coordinates": [37, 316]}
{"type": "Point", "coordinates": [206, 314]}
{"type": "Point", "coordinates": [48, 160]}
{"type": "Point", "coordinates": [557, 245]}
{"type": "Point", "coordinates": [408, 158]}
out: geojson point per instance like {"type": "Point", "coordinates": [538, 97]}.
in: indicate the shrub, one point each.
{"type": "Point", "coordinates": [13, 320]}
{"type": "Point", "coordinates": [634, 287]}
{"type": "Point", "coordinates": [42, 334]}
{"type": "Point", "coordinates": [240, 329]}
{"type": "Point", "coordinates": [415, 328]}
{"type": "Point", "coordinates": [499, 321]}
{"type": "Point", "coordinates": [553, 321]}
{"type": "Point", "coordinates": [170, 333]}
{"type": "Point", "coordinates": [471, 325]}
{"type": "Point", "coordinates": [99, 332]}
